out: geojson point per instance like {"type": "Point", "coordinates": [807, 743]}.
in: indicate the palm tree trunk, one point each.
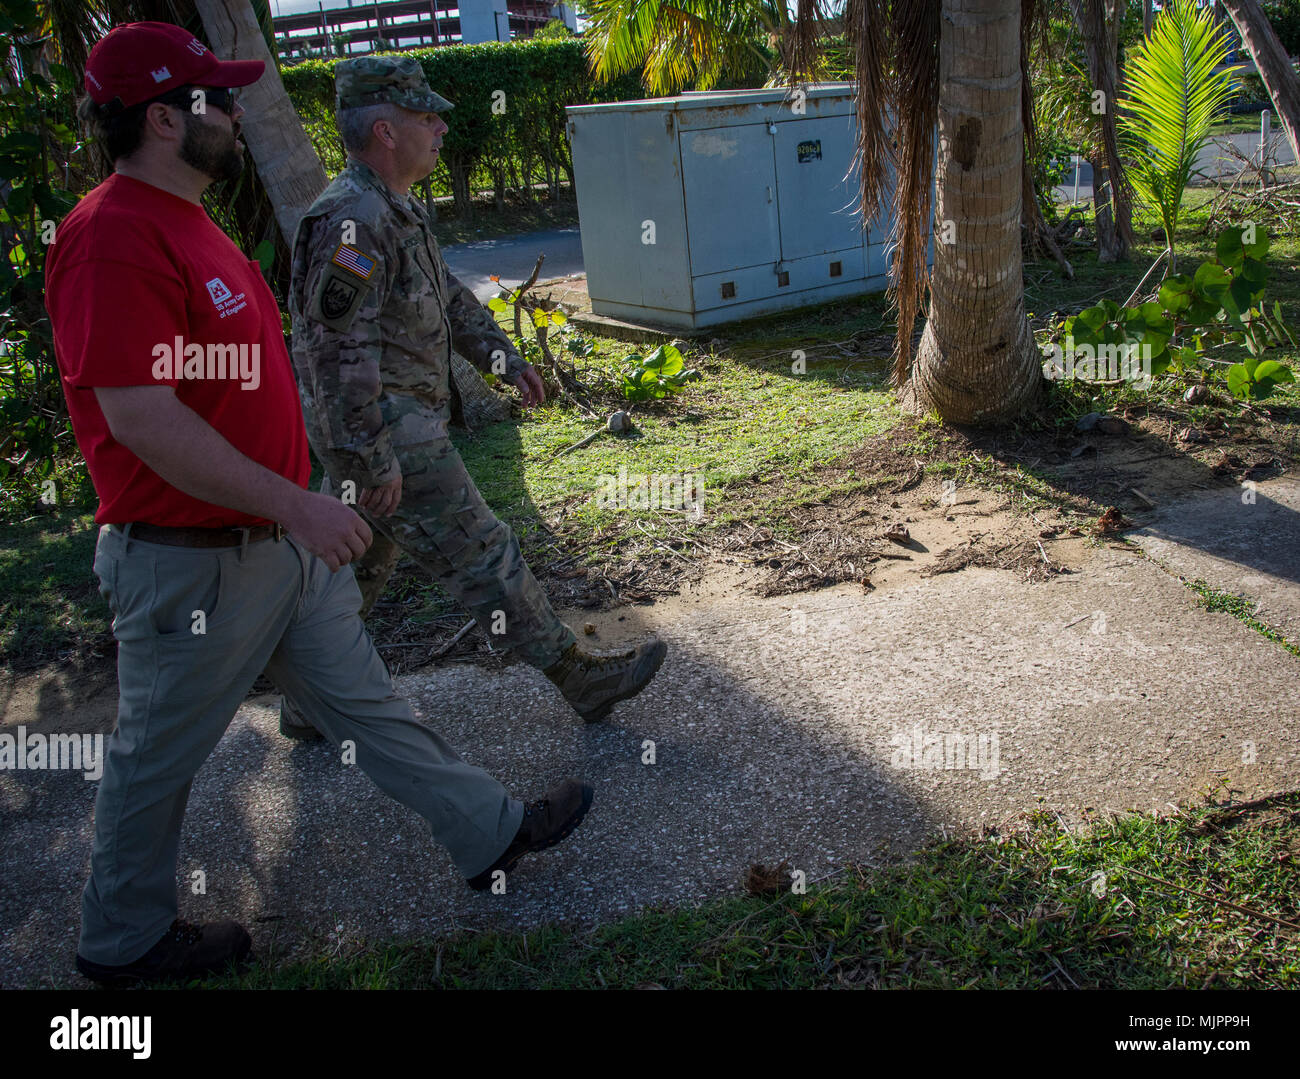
{"type": "Point", "coordinates": [287, 164]}
{"type": "Point", "coordinates": [977, 361]}
{"type": "Point", "coordinates": [1110, 245]}
{"type": "Point", "coordinates": [1099, 23]}
{"type": "Point", "coordinates": [1274, 66]}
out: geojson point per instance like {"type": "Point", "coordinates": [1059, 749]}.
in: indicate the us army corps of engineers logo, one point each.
{"type": "Point", "coordinates": [226, 302]}
{"type": "Point", "coordinates": [337, 297]}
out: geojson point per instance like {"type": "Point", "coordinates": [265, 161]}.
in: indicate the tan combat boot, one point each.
{"type": "Point", "coordinates": [594, 683]}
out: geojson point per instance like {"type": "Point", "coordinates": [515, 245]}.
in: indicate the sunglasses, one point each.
{"type": "Point", "coordinates": [218, 97]}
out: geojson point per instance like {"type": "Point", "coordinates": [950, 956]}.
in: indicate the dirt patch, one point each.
{"type": "Point", "coordinates": [923, 526]}
{"type": "Point", "coordinates": [1027, 500]}
{"type": "Point", "coordinates": [60, 698]}
{"type": "Point", "coordinates": [1033, 500]}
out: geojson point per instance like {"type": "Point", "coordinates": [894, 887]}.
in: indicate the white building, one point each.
{"type": "Point", "coordinates": [353, 29]}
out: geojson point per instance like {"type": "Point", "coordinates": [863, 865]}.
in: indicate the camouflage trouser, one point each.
{"type": "Point", "coordinates": [444, 525]}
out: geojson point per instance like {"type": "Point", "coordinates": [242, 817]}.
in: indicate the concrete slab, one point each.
{"type": "Point", "coordinates": [636, 332]}
{"type": "Point", "coordinates": [823, 728]}
{"type": "Point", "coordinates": [1242, 540]}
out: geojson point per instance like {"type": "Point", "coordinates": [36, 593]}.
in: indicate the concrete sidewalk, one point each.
{"type": "Point", "coordinates": [1241, 540]}
{"type": "Point", "coordinates": [821, 728]}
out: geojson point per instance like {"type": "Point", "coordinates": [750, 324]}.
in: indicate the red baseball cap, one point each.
{"type": "Point", "coordinates": [139, 61]}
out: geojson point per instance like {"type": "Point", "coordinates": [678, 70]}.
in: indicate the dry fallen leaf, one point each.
{"type": "Point", "coordinates": [762, 880]}
{"type": "Point", "coordinates": [1112, 521]}
{"type": "Point", "coordinates": [898, 533]}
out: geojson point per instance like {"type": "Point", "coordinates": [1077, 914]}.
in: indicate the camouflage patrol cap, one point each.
{"type": "Point", "coordinates": [370, 80]}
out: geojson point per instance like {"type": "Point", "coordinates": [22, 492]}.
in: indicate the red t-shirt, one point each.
{"type": "Point", "coordinates": [144, 290]}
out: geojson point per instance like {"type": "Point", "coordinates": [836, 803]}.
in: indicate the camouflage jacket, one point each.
{"type": "Point", "coordinates": [375, 315]}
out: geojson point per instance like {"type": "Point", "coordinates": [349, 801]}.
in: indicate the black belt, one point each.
{"type": "Point", "coordinates": [202, 537]}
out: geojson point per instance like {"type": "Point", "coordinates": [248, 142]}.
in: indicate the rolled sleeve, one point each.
{"type": "Point", "coordinates": [475, 333]}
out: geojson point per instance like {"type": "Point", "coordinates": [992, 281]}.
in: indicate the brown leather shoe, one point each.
{"type": "Point", "coordinates": [186, 951]}
{"type": "Point", "coordinates": [294, 726]}
{"type": "Point", "coordinates": [546, 822]}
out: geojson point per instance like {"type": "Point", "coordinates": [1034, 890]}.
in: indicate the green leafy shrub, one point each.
{"type": "Point", "coordinates": [35, 115]}
{"type": "Point", "coordinates": [657, 375]}
{"type": "Point", "coordinates": [493, 140]}
{"type": "Point", "coordinates": [1222, 303]}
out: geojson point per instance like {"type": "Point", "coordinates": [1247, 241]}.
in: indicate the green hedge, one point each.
{"type": "Point", "coordinates": [522, 142]}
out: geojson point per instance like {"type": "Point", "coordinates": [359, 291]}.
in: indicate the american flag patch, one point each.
{"type": "Point", "coordinates": [354, 261]}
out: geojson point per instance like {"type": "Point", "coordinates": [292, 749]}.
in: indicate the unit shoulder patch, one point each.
{"type": "Point", "coordinates": [336, 299]}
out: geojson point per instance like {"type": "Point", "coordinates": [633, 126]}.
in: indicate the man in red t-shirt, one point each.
{"type": "Point", "coordinates": [215, 559]}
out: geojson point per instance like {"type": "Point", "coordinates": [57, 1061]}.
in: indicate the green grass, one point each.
{"type": "Point", "coordinates": [1048, 907]}
{"type": "Point", "coordinates": [1241, 608]}
{"type": "Point", "coordinates": [749, 417]}
{"type": "Point", "coordinates": [49, 599]}
{"type": "Point", "coordinates": [1239, 124]}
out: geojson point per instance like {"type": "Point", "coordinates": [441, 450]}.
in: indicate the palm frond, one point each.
{"type": "Point", "coordinates": [800, 47]}
{"type": "Point", "coordinates": [676, 43]}
{"type": "Point", "coordinates": [916, 99]}
{"type": "Point", "coordinates": [72, 26]}
{"type": "Point", "coordinates": [1172, 94]}
{"type": "Point", "coordinates": [896, 67]}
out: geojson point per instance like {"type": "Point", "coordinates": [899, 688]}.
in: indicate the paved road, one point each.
{"type": "Point", "coordinates": [512, 258]}
{"type": "Point", "coordinates": [1213, 161]}
{"type": "Point", "coordinates": [1108, 688]}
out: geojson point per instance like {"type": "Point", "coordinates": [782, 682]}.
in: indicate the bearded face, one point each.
{"type": "Point", "coordinates": [211, 148]}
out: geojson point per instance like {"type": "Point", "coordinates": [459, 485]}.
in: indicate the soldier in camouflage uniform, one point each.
{"type": "Point", "coordinates": [375, 316]}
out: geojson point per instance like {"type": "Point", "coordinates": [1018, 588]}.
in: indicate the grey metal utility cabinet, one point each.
{"type": "Point", "coordinates": [709, 207]}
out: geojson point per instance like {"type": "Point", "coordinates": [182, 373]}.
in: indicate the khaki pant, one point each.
{"type": "Point", "coordinates": [268, 605]}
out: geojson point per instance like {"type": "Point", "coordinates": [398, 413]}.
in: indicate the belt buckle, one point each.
{"type": "Point", "coordinates": [277, 531]}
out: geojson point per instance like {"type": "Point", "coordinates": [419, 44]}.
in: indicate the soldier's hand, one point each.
{"type": "Point", "coordinates": [529, 384]}
{"type": "Point", "coordinates": [332, 531]}
{"type": "Point", "coordinates": [381, 501]}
